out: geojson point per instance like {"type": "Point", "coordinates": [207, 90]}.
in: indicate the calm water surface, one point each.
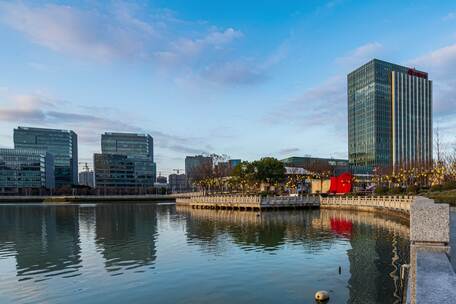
{"type": "Point", "coordinates": [137, 253]}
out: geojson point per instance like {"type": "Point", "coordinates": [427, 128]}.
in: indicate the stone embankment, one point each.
{"type": "Point", "coordinates": [369, 203]}
{"type": "Point", "coordinates": [81, 199]}
{"type": "Point", "coordinates": [431, 277]}
{"type": "Point", "coordinates": [249, 202]}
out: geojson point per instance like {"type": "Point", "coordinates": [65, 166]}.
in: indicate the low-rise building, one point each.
{"type": "Point", "coordinates": [24, 169]}
{"type": "Point", "coordinates": [113, 171]}
{"type": "Point", "coordinates": [316, 164]}
{"type": "Point", "coordinates": [87, 178]}
{"type": "Point", "coordinates": [178, 182]}
{"type": "Point", "coordinates": [162, 179]}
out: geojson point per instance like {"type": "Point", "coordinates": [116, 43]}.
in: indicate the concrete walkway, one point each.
{"type": "Point", "coordinates": [453, 237]}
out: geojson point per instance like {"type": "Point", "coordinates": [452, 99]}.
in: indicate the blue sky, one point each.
{"type": "Point", "coordinates": [243, 78]}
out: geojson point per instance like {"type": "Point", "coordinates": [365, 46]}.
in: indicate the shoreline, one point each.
{"type": "Point", "coordinates": [86, 199]}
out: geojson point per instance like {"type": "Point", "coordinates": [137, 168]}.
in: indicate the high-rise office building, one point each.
{"type": "Point", "coordinates": [389, 117]}
{"type": "Point", "coordinates": [131, 144]}
{"type": "Point", "coordinates": [25, 169]}
{"type": "Point", "coordinates": [62, 144]}
{"type": "Point", "coordinates": [126, 161]}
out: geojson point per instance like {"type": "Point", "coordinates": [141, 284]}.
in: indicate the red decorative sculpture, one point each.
{"type": "Point", "coordinates": [341, 184]}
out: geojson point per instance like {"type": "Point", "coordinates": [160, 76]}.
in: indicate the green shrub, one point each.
{"type": "Point", "coordinates": [396, 191]}
{"type": "Point", "coordinates": [436, 188]}
{"type": "Point", "coordinates": [381, 190]}
{"type": "Point", "coordinates": [449, 185]}
{"type": "Point", "coordinates": [413, 189]}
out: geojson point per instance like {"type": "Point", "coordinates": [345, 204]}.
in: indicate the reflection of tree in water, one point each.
{"type": "Point", "coordinates": [266, 230]}
{"type": "Point", "coordinates": [126, 235]}
{"type": "Point", "coordinates": [379, 244]}
{"type": "Point", "coordinates": [46, 239]}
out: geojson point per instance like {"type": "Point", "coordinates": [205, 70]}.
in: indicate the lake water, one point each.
{"type": "Point", "coordinates": [144, 253]}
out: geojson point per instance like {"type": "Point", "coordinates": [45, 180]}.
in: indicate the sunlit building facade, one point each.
{"type": "Point", "coordinates": [389, 117]}
{"type": "Point", "coordinates": [62, 144]}
{"type": "Point", "coordinates": [126, 161]}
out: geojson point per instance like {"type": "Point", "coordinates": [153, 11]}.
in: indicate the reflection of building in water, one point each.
{"type": "Point", "coordinates": [378, 242]}
{"type": "Point", "coordinates": [267, 230]}
{"type": "Point", "coordinates": [126, 235]}
{"type": "Point", "coordinates": [46, 238]}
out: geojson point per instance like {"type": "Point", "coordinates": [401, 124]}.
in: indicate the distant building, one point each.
{"type": "Point", "coordinates": [162, 179]}
{"type": "Point", "coordinates": [197, 165]}
{"type": "Point", "coordinates": [315, 164]}
{"type": "Point", "coordinates": [87, 178]}
{"type": "Point", "coordinates": [178, 182]}
{"type": "Point", "coordinates": [25, 169]}
{"type": "Point", "coordinates": [126, 161]}
{"type": "Point", "coordinates": [234, 162]}
{"type": "Point", "coordinates": [131, 144]}
{"type": "Point", "coordinates": [389, 117]}
{"type": "Point", "coordinates": [226, 168]}
{"type": "Point", "coordinates": [114, 171]}
{"type": "Point", "coordinates": [62, 144]}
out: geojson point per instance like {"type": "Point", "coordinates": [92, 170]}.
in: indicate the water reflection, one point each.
{"type": "Point", "coordinates": [126, 235]}
{"type": "Point", "coordinates": [379, 243]}
{"type": "Point", "coordinates": [164, 252]}
{"type": "Point", "coordinates": [262, 231]}
{"type": "Point", "coordinates": [44, 241]}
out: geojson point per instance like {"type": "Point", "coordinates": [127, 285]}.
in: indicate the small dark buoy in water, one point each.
{"type": "Point", "coordinates": [340, 270]}
{"type": "Point", "coordinates": [322, 296]}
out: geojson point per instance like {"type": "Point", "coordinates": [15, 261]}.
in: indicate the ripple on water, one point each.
{"type": "Point", "coordinates": [142, 253]}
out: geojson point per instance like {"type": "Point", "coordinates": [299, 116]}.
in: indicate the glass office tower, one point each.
{"type": "Point", "coordinates": [389, 117]}
{"type": "Point", "coordinates": [114, 171]}
{"type": "Point", "coordinates": [62, 144]}
{"type": "Point", "coordinates": [25, 169]}
{"type": "Point", "coordinates": [121, 151]}
{"type": "Point", "coordinates": [132, 144]}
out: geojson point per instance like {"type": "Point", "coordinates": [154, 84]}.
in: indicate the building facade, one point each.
{"type": "Point", "coordinates": [178, 182]}
{"type": "Point", "coordinates": [126, 161]}
{"type": "Point", "coordinates": [114, 171]}
{"type": "Point", "coordinates": [389, 117]}
{"type": "Point", "coordinates": [131, 144]}
{"type": "Point", "coordinates": [62, 144]}
{"type": "Point", "coordinates": [315, 164]}
{"type": "Point", "coordinates": [194, 165]}
{"type": "Point", "coordinates": [87, 178]}
{"type": "Point", "coordinates": [25, 169]}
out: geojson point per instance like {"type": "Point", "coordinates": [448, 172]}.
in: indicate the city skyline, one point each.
{"type": "Point", "coordinates": [200, 81]}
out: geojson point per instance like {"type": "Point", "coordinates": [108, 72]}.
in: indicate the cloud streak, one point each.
{"type": "Point", "coordinates": [361, 54]}
{"type": "Point", "coordinates": [48, 112]}
{"type": "Point", "coordinates": [115, 32]}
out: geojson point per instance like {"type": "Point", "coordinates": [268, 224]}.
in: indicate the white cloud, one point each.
{"type": "Point", "coordinates": [321, 106]}
{"type": "Point", "coordinates": [361, 54]}
{"type": "Point", "coordinates": [38, 110]}
{"type": "Point", "coordinates": [245, 71]}
{"type": "Point", "coordinates": [112, 33]}
{"type": "Point", "coordinates": [441, 64]}
{"type": "Point", "coordinates": [441, 61]}
{"type": "Point", "coordinates": [237, 72]}
{"type": "Point", "coordinates": [449, 16]}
